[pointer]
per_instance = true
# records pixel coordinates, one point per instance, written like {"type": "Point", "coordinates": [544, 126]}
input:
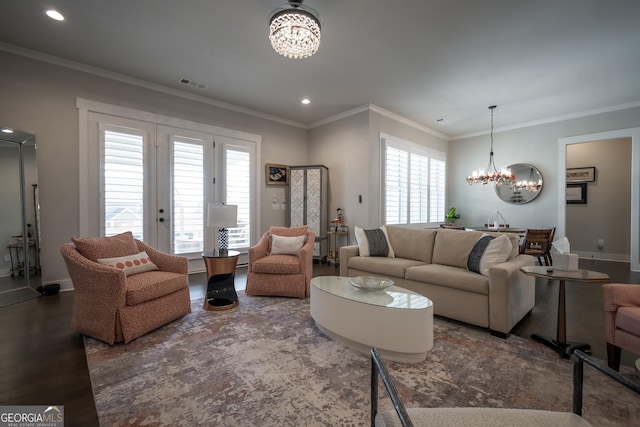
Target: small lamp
{"type": "Point", "coordinates": [222, 217]}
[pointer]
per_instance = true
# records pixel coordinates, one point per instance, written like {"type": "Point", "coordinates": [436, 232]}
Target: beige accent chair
{"type": "Point", "coordinates": [109, 305]}
{"type": "Point", "coordinates": [622, 320]}
{"type": "Point", "coordinates": [281, 274]}
{"type": "Point", "coordinates": [483, 417]}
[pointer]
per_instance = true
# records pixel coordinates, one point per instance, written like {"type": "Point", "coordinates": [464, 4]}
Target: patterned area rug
{"type": "Point", "coordinates": [266, 364]}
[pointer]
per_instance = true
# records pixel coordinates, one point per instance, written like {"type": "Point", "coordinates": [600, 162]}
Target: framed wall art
{"type": "Point", "coordinates": [276, 174]}
{"type": "Point", "coordinates": [581, 174]}
{"type": "Point", "coordinates": [577, 194]}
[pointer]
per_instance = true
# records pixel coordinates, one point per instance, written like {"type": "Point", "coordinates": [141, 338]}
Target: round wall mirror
{"type": "Point", "coordinates": [527, 187]}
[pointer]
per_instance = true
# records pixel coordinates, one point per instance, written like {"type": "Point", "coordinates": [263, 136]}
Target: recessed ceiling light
{"type": "Point", "coordinates": [54, 14]}
{"type": "Point", "coordinates": [306, 101]}
{"type": "Point", "coordinates": [7, 130]}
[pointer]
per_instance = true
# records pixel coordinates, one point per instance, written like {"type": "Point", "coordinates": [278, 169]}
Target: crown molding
{"type": "Point", "coordinates": [551, 120]}
{"type": "Point", "coordinates": [383, 112]}
{"type": "Point", "coordinates": [77, 66]}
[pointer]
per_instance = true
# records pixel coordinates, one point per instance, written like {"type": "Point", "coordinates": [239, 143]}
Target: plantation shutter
{"type": "Point", "coordinates": [188, 196]}
{"type": "Point", "coordinates": [123, 183]}
{"type": "Point", "coordinates": [238, 192]}
{"type": "Point", "coordinates": [414, 183]}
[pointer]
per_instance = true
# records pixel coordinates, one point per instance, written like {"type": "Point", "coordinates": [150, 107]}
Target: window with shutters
{"type": "Point", "coordinates": [413, 183]}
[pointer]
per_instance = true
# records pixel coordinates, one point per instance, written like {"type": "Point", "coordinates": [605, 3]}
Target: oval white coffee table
{"type": "Point", "coordinates": [397, 321]}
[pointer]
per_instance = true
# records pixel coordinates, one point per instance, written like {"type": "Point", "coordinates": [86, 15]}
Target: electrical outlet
{"type": "Point", "coordinates": [600, 243]}
{"type": "Point", "coordinates": [7, 258]}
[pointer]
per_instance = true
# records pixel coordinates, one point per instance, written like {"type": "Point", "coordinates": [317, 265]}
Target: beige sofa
{"type": "Point", "coordinates": [433, 262]}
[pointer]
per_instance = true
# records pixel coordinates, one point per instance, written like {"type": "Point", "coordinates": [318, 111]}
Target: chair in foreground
{"type": "Point", "coordinates": [622, 320]}
{"type": "Point", "coordinates": [481, 417]}
{"type": "Point", "coordinates": [124, 288]}
{"type": "Point", "coordinates": [281, 263]}
{"type": "Point", "coordinates": [537, 243]}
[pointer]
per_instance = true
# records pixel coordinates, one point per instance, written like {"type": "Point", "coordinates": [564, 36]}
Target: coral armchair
{"type": "Point", "coordinates": [114, 304]}
{"type": "Point", "coordinates": [622, 320]}
{"type": "Point", "coordinates": [281, 274]}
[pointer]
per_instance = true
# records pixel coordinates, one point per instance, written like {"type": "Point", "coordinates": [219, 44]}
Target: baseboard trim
{"type": "Point", "coordinates": [603, 256]}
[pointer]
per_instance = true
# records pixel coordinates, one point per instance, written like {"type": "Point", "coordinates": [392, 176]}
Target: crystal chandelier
{"type": "Point", "coordinates": [491, 174]}
{"type": "Point", "coordinates": [295, 31]}
{"type": "Point", "coordinates": [530, 184]}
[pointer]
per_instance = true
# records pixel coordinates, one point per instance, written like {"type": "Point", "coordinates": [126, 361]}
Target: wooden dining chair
{"type": "Point", "coordinates": [537, 243]}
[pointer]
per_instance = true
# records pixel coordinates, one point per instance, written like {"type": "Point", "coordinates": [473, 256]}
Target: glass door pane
{"type": "Point", "coordinates": [123, 185]}
{"type": "Point", "coordinates": [188, 196]}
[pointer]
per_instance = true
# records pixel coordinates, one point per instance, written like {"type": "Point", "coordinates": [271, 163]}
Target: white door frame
{"type": "Point", "coordinates": [85, 187]}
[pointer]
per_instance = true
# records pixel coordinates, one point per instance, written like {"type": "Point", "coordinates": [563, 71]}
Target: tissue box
{"type": "Point", "coordinates": [565, 262]}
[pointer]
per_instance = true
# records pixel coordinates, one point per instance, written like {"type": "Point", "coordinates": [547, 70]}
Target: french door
{"type": "Point", "coordinates": [155, 176]}
{"type": "Point", "coordinates": [154, 184]}
{"type": "Point", "coordinates": [185, 165]}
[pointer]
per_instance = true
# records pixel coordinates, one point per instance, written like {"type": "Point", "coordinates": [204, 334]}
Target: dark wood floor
{"type": "Point", "coordinates": [42, 362]}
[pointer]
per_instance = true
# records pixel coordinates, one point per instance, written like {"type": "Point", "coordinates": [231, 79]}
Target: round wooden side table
{"type": "Point", "coordinates": [221, 273]}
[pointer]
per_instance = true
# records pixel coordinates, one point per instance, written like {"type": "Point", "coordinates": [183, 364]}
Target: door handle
{"type": "Point", "coordinates": [161, 219]}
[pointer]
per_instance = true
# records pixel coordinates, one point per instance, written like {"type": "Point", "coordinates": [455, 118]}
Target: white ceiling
{"type": "Point", "coordinates": [424, 60]}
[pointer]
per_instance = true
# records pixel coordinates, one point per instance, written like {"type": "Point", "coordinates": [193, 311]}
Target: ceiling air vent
{"type": "Point", "coordinates": [193, 84]}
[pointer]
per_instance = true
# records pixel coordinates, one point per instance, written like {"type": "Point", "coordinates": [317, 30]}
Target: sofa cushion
{"type": "Point", "coordinates": [387, 267]}
{"type": "Point", "coordinates": [412, 243]}
{"type": "Point", "coordinates": [452, 247]}
{"type": "Point", "coordinates": [374, 242]}
{"type": "Point", "coordinates": [130, 264]}
{"type": "Point", "coordinates": [488, 252]}
{"type": "Point", "coordinates": [451, 277]}
{"type": "Point", "coordinates": [277, 264]}
{"type": "Point", "coordinates": [153, 284]}
{"type": "Point", "coordinates": [106, 247]}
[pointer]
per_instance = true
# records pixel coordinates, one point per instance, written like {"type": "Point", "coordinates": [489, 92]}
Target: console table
{"type": "Point", "coordinates": [560, 343]}
{"type": "Point", "coordinates": [221, 272]}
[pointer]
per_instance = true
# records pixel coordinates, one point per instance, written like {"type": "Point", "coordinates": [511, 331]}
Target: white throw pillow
{"type": "Point", "coordinates": [497, 252]}
{"type": "Point", "coordinates": [282, 245]}
{"type": "Point", "coordinates": [377, 246]}
{"type": "Point", "coordinates": [131, 264]}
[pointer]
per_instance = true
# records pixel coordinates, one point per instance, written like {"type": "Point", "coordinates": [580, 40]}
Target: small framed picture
{"type": "Point", "coordinates": [581, 174]}
{"type": "Point", "coordinates": [276, 174]}
{"type": "Point", "coordinates": [577, 194]}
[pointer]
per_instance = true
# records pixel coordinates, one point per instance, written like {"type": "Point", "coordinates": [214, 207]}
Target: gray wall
{"type": "Point", "coordinates": [607, 213]}
{"type": "Point", "coordinates": [537, 145]}
{"type": "Point", "coordinates": [350, 148]}
{"type": "Point", "coordinates": [40, 98]}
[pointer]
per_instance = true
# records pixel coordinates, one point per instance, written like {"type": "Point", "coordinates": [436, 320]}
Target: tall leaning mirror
{"type": "Point", "coordinates": [20, 272]}
{"type": "Point", "coordinates": [528, 185]}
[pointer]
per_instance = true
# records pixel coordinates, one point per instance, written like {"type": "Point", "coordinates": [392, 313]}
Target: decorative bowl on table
{"type": "Point", "coordinates": [370, 283]}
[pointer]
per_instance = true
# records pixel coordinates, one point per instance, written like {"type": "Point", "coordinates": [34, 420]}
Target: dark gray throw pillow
{"type": "Point", "coordinates": [377, 242]}
{"type": "Point", "coordinates": [473, 262]}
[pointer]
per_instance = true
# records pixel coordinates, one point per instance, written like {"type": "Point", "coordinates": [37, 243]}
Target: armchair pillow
{"type": "Point", "coordinates": [374, 242]}
{"type": "Point", "coordinates": [286, 232]}
{"type": "Point", "coordinates": [131, 264]}
{"type": "Point", "coordinates": [106, 247]}
{"type": "Point", "coordinates": [283, 245]}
